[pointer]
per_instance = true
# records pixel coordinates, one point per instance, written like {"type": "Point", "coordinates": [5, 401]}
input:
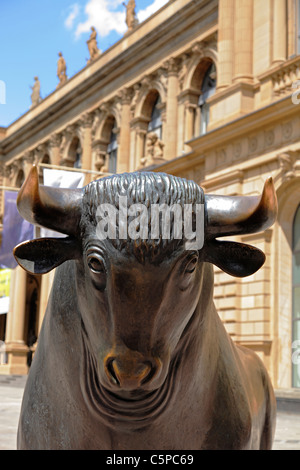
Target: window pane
{"type": "Point", "coordinates": [112, 161]}
{"type": "Point", "coordinates": [296, 303]}
{"type": "Point", "coordinates": [296, 268]}
{"type": "Point", "coordinates": [296, 235]}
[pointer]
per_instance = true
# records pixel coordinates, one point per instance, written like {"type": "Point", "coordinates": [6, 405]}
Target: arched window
{"type": "Point", "coordinates": [208, 88]}
{"type": "Point", "coordinates": [296, 302]}
{"type": "Point", "coordinates": [74, 154]}
{"type": "Point", "coordinates": [112, 150]}
{"type": "Point", "coordinates": [109, 140]}
{"type": "Point", "coordinates": [155, 124]}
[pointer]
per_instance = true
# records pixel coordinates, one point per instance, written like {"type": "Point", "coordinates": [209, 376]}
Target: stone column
{"type": "Point", "coordinates": [170, 134]}
{"type": "Point", "coordinates": [189, 120]}
{"type": "Point", "coordinates": [292, 28]}
{"type": "Point", "coordinates": [124, 147]}
{"type": "Point", "coordinates": [28, 160]}
{"type": "Point", "coordinates": [86, 123]}
{"type": "Point", "coordinates": [225, 43]}
{"type": "Point", "coordinates": [140, 146]}
{"type": "Point", "coordinates": [279, 32]}
{"type": "Point", "coordinates": [243, 40]}
{"type": "Point", "coordinates": [54, 143]}
{"type": "Point", "coordinates": [15, 346]}
{"type": "Point", "coordinates": [10, 318]}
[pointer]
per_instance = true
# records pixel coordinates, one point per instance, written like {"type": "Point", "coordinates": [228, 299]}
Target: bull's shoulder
{"type": "Point", "coordinates": [255, 374]}
{"type": "Point", "coordinates": [230, 421]}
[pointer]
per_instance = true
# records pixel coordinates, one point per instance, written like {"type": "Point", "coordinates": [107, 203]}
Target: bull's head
{"type": "Point", "coordinates": [137, 297]}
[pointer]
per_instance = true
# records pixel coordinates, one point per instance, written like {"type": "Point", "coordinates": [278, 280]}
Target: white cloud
{"type": "Point", "coordinates": [152, 8]}
{"type": "Point", "coordinates": [107, 16]}
{"type": "Point", "coordinates": [72, 16]}
{"type": "Point", "coordinates": [103, 16]}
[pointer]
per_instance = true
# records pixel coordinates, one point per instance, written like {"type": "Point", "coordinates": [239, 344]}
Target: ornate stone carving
{"type": "Point", "coordinates": [154, 150]}
{"type": "Point", "coordinates": [28, 157]}
{"type": "Point", "coordinates": [185, 61]}
{"type": "Point", "coordinates": [287, 130]}
{"type": "Point", "coordinates": [172, 66]}
{"type": "Point", "coordinates": [99, 150]}
{"type": "Point", "coordinates": [287, 163]}
{"type": "Point", "coordinates": [55, 140]}
{"type": "Point", "coordinates": [86, 120]}
{"type": "Point", "coordinates": [136, 92]}
{"type": "Point", "coordinates": [252, 143]}
{"type": "Point", "coordinates": [269, 137]}
{"type": "Point", "coordinates": [198, 49]}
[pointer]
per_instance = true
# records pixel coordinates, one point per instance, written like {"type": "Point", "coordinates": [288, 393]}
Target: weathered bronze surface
{"type": "Point", "coordinates": [132, 353]}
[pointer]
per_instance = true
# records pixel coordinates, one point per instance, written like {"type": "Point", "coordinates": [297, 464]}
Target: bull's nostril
{"type": "Point", "coordinates": [111, 371]}
{"type": "Point", "coordinates": [150, 373]}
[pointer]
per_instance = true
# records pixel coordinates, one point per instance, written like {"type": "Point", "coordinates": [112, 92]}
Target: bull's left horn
{"type": "Point", "coordinates": [57, 209]}
{"type": "Point", "coordinates": [235, 215]}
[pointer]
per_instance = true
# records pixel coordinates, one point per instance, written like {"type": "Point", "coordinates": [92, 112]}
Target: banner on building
{"type": "Point", "coordinates": [61, 179]}
{"type": "Point", "coordinates": [15, 230]}
{"type": "Point", "coordinates": [5, 275]}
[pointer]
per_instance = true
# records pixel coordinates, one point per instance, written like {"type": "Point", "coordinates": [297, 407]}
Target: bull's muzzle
{"type": "Point", "coordinates": [130, 370]}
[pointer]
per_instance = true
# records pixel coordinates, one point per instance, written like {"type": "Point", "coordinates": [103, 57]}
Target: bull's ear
{"type": "Point", "coordinates": [236, 259]}
{"type": "Point", "coordinates": [44, 254]}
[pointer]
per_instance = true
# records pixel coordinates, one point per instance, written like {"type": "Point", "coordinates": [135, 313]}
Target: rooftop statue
{"type": "Point", "coordinates": [61, 70]}
{"type": "Point", "coordinates": [132, 353]}
{"type": "Point", "coordinates": [131, 19]}
{"type": "Point", "coordinates": [92, 45]}
{"type": "Point", "coordinates": [35, 95]}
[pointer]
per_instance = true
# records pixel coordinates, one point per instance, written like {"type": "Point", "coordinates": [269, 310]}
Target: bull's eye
{"type": "Point", "coordinates": [191, 264]}
{"type": "Point", "coordinates": [95, 265]}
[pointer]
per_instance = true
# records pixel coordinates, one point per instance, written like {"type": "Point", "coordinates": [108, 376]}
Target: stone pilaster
{"type": "Point", "coordinates": [225, 43]}
{"type": "Point", "coordinates": [279, 32]}
{"type": "Point", "coordinates": [86, 123]}
{"type": "Point", "coordinates": [15, 346]}
{"type": "Point", "coordinates": [124, 147]}
{"type": "Point", "coordinates": [54, 145]}
{"type": "Point", "coordinates": [170, 134]}
{"type": "Point", "coordinates": [243, 38]}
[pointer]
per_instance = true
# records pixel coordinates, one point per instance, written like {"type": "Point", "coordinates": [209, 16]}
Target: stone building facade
{"type": "Point", "coordinates": [205, 90]}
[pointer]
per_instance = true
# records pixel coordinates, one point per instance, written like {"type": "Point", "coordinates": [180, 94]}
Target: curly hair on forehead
{"type": "Point", "coordinates": [145, 188]}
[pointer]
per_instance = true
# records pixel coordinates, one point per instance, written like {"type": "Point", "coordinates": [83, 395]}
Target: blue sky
{"type": "Point", "coordinates": [32, 32]}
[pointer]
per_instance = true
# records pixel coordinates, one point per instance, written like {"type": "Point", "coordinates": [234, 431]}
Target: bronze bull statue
{"type": "Point", "coordinates": [132, 353]}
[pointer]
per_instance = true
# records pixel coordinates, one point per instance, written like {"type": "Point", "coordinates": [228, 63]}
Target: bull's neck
{"type": "Point", "coordinates": [198, 348]}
